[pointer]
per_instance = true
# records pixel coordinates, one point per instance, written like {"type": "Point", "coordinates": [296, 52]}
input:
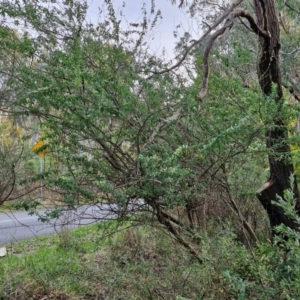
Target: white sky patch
{"type": "Point", "coordinates": [162, 36]}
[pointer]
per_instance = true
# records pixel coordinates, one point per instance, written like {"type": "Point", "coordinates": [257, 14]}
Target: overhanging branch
{"type": "Point", "coordinates": [226, 27]}
{"type": "Point", "coordinates": [197, 42]}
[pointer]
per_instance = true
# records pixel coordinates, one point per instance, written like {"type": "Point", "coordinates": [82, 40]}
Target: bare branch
{"type": "Point", "coordinates": [196, 42]}
{"type": "Point", "coordinates": [227, 26]}
{"type": "Point", "coordinates": [181, 3]}
{"type": "Point", "coordinates": [281, 22]}
{"type": "Point", "coordinates": [13, 174]}
{"type": "Point", "coordinates": [244, 24]}
{"type": "Point", "coordinates": [292, 8]}
{"type": "Point", "coordinates": [259, 31]}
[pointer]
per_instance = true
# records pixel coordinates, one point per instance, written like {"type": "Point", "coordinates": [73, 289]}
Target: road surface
{"type": "Point", "coordinates": [16, 226]}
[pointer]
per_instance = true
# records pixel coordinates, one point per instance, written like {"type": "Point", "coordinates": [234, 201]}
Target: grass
{"type": "Point", "coordinates": [90, 263]}
{"type": "Point", "coordinates": [6, 207]}
{"type": "Point", "coordinates": [48, 265]}
{"type": "Point", "coordinates": [134, 263]}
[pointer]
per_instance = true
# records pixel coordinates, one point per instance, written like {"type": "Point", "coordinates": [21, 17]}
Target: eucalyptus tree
{"type": "Point", "coordinates": [263, 20]}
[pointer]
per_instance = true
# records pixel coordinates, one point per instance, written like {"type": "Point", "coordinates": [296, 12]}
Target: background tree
{"type": "Point", "coordinates": [12, 151]}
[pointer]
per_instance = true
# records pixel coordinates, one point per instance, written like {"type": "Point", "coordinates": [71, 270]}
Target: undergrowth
{"type": "Point", "coordinates": [145, 263]}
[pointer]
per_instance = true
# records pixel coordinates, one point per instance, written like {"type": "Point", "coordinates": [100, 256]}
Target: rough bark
{"type": "Point", "coordinates": [269, 76]}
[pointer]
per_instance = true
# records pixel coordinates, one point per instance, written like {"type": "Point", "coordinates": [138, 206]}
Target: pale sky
{"type": "Point", "coordinates": [163, 33]}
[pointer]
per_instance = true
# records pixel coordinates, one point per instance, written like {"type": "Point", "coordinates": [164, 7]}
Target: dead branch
{"type": "Point", "coordinates": [226, 27]}
{"type": "Point", "coordinates": [197, 42]}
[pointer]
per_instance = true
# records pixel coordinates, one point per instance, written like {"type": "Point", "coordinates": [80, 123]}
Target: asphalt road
{"type": "Point", "coordinates": [16, 226]}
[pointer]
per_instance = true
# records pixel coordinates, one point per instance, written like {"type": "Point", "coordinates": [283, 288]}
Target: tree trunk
{"type": "Point", "coordinates": [280, 161]}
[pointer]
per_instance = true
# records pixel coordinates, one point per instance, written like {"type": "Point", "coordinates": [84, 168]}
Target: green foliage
{"type": "Point", "coordinates": [275, 270]}
{"type": "Point", "coordinates": [27, 205]}
{"type": "Point", "coordinates": [117, 130]}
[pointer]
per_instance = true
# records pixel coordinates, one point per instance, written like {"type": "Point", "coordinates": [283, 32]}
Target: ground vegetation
{"type": "Point", "coordinates": [188, 141]}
